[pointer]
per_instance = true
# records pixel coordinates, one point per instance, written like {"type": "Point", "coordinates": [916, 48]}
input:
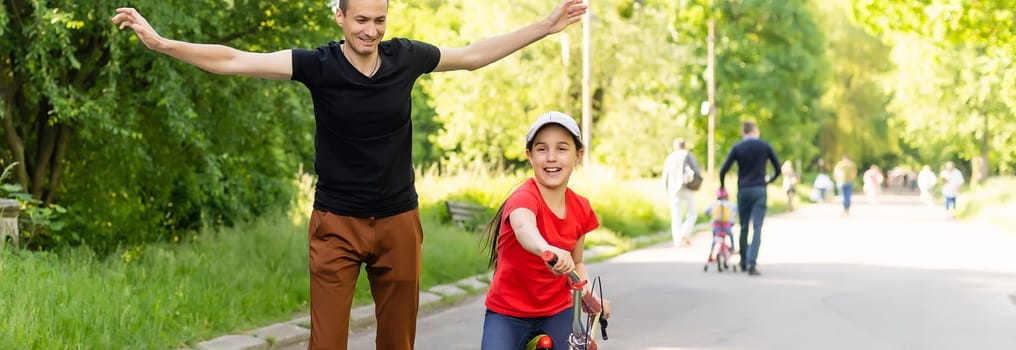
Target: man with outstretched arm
{"type": "Point", "coordinates": [365, 201]}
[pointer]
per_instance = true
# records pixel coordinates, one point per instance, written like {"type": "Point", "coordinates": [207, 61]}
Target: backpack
{"type": "Point", "coordinates": [692, 178]}
{"type": "Point", "coordinates": [721, 213]}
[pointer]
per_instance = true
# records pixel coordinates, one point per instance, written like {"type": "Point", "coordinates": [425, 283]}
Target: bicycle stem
{"type": "Point", "coordinates": [578, 337]}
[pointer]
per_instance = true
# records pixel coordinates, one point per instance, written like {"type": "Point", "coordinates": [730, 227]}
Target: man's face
{"type": "Point", "coordinates": [363, 24]}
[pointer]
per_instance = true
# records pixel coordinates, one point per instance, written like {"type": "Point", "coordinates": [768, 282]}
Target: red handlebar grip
{"type": "Point", "coordinates": [549, 257]}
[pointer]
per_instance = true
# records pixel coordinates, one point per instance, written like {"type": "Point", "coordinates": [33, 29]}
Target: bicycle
{"type": "Point", "coordinates": [582, 335]}
{"type": "Point", "coordinates": [720, 252]}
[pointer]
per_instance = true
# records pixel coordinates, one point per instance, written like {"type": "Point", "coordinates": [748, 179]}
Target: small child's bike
{"type": "Point", "coordinates": [720, 252]}
{"type": "Point", "coordinates": [583, 334]}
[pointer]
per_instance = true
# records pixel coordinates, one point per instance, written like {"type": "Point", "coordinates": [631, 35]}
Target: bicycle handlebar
{"type": "Point", "coordinates": [591, 305]}
{"type": "Point", "coordinates": [551, 259]}
{"type": "Point", "coordinates": [577, 284]}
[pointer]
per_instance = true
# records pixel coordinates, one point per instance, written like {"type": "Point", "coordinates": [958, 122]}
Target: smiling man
{"type": "Point", "coordinates": [365, 202]}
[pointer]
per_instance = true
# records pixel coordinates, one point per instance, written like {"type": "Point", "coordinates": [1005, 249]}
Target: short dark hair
{"type": "Point", "coordinates": [748, 127]}
{"type": "Point", "coordinates": [344, 4]}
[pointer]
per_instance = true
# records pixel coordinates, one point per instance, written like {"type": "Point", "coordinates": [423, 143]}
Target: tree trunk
{"type": "Point", "coordinates": [62, 137]}
{"type": "Point", "coordinates": [44, 152]}
{"type": "Point", "coordinates": [979, 165]}
{"type": "Point", "coordinates": [8, 86]}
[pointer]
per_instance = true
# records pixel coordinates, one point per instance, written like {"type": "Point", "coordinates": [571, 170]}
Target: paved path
{"type": "Point", "coordinates": [894, 276]}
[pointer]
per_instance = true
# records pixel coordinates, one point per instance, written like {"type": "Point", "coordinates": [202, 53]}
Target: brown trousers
{"type": "Point", "coordinates": [390, 248]}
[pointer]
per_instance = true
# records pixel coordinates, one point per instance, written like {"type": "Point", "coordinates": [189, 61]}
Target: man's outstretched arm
{"type": "Point", "coordinates": [487, 51]}
{"type": "Point", "coordinates": [217, 59]}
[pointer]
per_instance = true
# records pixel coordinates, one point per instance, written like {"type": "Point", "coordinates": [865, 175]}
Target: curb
{"type": "Point", "coordinates": [295, 331]}
{"type": "Point", "coordinates": [283, 334]}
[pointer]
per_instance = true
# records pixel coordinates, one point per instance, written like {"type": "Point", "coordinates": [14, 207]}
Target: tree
{"type": "Point", "coordinates": [138, 145]}
{"type": "Point", "coordinates": [972, 46]}
{"type": "Point", "coordinates": [484, 113]}
{"type": "Point", "coordinates": [857, 122]}
{"type": "Point", "coordinates": [771, 69]}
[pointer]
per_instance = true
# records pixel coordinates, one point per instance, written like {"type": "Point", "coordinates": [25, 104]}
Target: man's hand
{"type": "Point", "coordinates": [129, 17]}
{"type": "Point", "coordinates": [566, 13]}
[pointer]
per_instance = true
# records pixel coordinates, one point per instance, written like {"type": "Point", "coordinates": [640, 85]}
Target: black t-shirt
{"type": "Point", "coordinates": [363, 137]}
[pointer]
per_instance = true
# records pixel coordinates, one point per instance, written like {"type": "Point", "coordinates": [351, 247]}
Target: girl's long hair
{"type": "Point", "coordinates": [491, 234]}
{"type": "Point", "coordinates": [493, 230]}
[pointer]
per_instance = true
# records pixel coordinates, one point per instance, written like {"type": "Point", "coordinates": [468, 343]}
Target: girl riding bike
{"type": "Point", "coordinates": [528, 297]}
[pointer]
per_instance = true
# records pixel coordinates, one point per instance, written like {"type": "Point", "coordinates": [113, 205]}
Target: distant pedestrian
{"type": "Point", "coordinates": [823, 184]}
{"type": "Point", "coordinates": [845, 173]}
{"type": "Point", "coordinates": [873, 180]}
{"type": "Point", "coordinates": [751, 154]}
{"type": "Point", "coordinates": [679, 172]}
{"type": "Point", "coordinates": [789, 183]}
{"type": "Point", "coordinates": [926, 181]}
{"type": "Point", "coordinates": [951, 187]}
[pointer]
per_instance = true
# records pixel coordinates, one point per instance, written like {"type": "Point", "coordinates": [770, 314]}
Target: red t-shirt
{"type": "Point", "coordinates": [523, 286]}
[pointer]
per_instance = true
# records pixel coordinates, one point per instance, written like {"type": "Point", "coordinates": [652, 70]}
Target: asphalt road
{"type": "Point", "coordinates": [897, 275]}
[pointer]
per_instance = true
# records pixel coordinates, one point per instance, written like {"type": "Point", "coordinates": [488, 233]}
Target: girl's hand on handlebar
{"type": "Point", "coordinates": [593, 304]}
{"type": "Point", "coordinates": [564, 264]}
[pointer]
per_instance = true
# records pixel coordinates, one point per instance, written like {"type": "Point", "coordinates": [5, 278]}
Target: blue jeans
{"type": "Point", "coordinates": [751, 207]}
{"type": "Point", "coordinates": [845, 190]}
{"type": "Point", "coordinates": [501, 332]}
{"type": "Point", "coordinates": [950, 203]}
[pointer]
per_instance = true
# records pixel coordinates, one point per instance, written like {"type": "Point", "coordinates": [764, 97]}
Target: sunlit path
{"type": "Point", "coordinates": [898, 275]}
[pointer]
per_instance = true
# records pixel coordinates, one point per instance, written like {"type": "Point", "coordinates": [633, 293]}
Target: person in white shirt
{"type": "Point", "coordinates": [951, 188]}
{"type": "Point", "coordinates": [681, 198]}
{"type": "Point", "coordinates": [823, 184]}
{"type": "Point", "coordinates": [873, 180]}
{"type": "Point", "coordinates": [926, 180]}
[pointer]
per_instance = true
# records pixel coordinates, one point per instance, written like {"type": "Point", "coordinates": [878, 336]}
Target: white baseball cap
{"type": "Point", "coordinates": [554, 117]}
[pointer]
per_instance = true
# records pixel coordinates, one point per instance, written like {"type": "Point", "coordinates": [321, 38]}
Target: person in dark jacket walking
{"type": "Point", "coordinates": [750, 155]}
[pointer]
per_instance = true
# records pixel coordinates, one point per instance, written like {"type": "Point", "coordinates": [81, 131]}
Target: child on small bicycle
{"type": "Point", "coordinates": [722, 214]}
{"type": "Point", "coordinates": [527, 297]}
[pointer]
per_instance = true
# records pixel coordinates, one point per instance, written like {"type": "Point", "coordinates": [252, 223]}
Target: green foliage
{"type": "Point", "coordinates": [36, 220]}
{"type": "Point", "coordinates": [773, 71]}
{"type": "Point", "coordinates": [857, 120]}
{"type": "Point", "coordinates": [771, 68]}
{"type": "Point", "coordinates": [992, 201]}
{"type": "Point", "coordinates": [140, 146]}
{"type": "Point", "coordinates": [485, 118]}
{"type": "Point", "coordinates": [638, 103]}
{"type": "Point", "coordinates": [953, 89]}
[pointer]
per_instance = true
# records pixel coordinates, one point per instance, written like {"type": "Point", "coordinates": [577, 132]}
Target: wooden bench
{"type": "Point", "coordinates": [466, 215]}
{"type": "Point", "coordinates": [9, 210]}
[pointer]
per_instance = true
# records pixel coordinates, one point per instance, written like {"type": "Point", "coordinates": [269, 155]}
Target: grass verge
{"type": "Point", "coordinates": [993, 201]}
